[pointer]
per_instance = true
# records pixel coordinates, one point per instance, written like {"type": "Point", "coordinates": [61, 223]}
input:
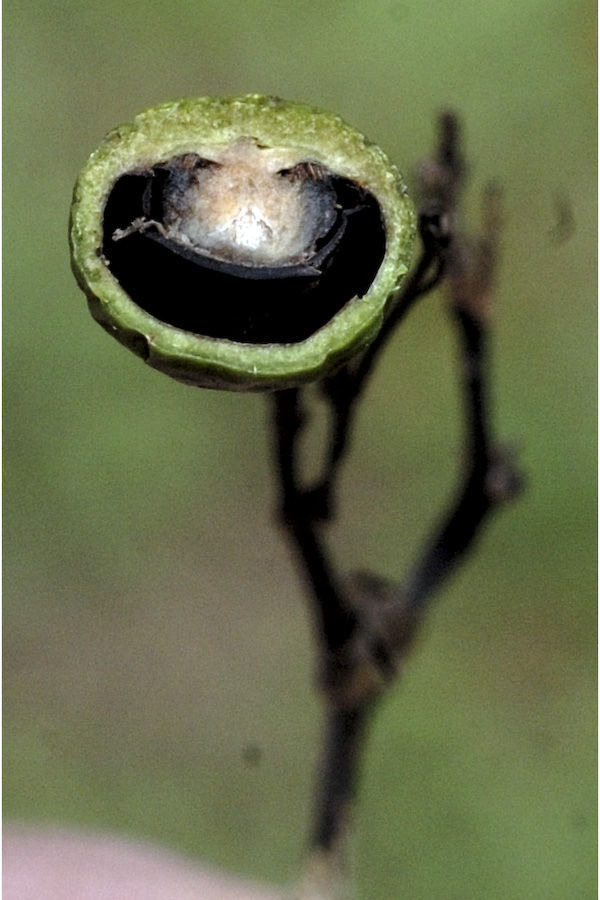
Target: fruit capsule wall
{"type": "Point", "coordinates": [244, 243]}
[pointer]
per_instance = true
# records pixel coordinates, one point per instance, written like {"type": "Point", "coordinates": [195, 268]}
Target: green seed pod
{"type": "Point", "coordinates": [243, 243]}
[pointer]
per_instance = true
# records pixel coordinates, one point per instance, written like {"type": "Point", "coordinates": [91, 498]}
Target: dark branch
{"type": "Point", "coordinates": [336, 785]}
{"type": "Point", "coordinates": [365, 623]}
{"type": "Point", "coordinates": [490, 476]}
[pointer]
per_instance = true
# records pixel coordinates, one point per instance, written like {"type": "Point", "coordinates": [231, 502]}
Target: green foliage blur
{"type": "Point", "coordinates": [158, 661]}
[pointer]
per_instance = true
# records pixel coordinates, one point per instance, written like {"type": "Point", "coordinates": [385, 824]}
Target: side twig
{"type": "Point", "coordinates": [334, 620]}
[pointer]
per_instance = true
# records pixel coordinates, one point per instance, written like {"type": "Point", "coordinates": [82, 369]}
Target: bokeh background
{"type": "Point", "coordinates": [157, 652]}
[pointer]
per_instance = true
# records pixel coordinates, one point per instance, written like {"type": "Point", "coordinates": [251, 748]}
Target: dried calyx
{"type": "Point", "coordinates": [282, 242]}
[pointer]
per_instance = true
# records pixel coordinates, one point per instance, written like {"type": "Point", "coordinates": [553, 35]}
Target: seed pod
{"type": "Point", "coordinates": [243, 243]}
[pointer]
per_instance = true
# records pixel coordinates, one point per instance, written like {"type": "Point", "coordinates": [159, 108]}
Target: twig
{"type": "Point", "coordinates": [490, 475]}
{"type": "Point", "coordinates": [366, 624]}
{"type": "Point", "coordinates": [335, 621]}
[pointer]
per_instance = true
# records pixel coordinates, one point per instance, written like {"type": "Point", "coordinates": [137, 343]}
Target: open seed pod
{"type": "Point", "coordinates": [243, 243]}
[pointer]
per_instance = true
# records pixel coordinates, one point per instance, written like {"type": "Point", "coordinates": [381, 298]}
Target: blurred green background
{"type": "Point", "coordinates": [157, 651]}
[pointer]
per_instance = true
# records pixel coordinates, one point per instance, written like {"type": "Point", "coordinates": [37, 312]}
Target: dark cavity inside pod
{"type": "Point", "coordinates": [239, 247]}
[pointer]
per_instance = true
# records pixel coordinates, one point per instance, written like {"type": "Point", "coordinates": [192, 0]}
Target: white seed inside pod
{"type": "Point", "coordinates": [241, 209]}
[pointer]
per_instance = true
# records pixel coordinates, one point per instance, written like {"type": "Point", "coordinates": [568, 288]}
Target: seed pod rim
{"type": "Point", "coordinates": [184, 126]}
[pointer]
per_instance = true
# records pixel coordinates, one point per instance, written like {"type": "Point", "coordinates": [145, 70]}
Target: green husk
{"type": "Point", "coordinates": [190, 125]}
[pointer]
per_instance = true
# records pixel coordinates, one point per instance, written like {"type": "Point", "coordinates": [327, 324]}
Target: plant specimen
{"type": "Point", "coordinates": [250, 243]}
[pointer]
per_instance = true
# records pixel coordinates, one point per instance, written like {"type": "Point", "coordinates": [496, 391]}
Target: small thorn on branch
{"type": "Point", "coordinates": [504, 481]}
